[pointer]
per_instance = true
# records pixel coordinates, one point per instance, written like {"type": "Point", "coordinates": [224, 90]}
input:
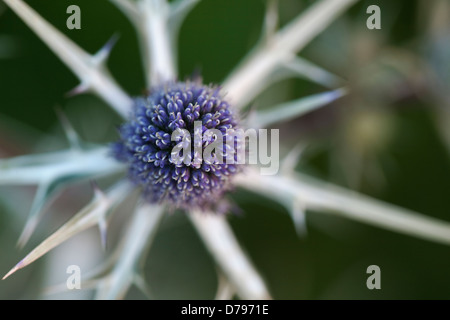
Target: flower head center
{"type": "Point", "coordinates": [174, 145]}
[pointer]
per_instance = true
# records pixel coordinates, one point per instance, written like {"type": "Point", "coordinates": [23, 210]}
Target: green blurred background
{"type": "Point", "coordinates": [389, 139]}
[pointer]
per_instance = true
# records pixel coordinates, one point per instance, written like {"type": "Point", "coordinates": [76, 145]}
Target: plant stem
{"type": "Point", "coordinates": [156, 41]}
{"type": "Point", "coordinates": [220, 241]}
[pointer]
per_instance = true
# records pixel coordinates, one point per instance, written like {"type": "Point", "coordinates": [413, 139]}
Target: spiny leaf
{"type": "Point", "coordinates": [40, 168]}
{"type": "Point", "coordinates": [31, 169]}
{"type": "Point", "coordinates": [44, 196]}
{"type": "Point", "coordinates": [325, 197]}
{"type": "Point", "coordinates": [244, 84]}
{"type": "Point", "coordinates": [81, 88]}
{"type": "Point", "coordinates": [298, 215]}
{"type": "Point", "coordinates": [79, 61]}
{"type": "Point", "coordinates": [293, 109]}
{"type": "Point", "coordinates": [89, 216]}
{"type": "Point", "coordinates": [139, 237]}
{"type": "Point", "coordinates": [99, 59]}
{"type": "Point", "coordinates": [291, 160]}
{"type": "Point", "coordinates": [306, 69]}
{"type": "Point", "coordinates": [71, 134]}
{"type": "Point", "coordinates": [52, 172]}
{"type": "Point", "coordinates": [140, 282]}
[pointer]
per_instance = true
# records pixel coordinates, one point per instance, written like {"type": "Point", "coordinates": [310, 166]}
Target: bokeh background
{"type": "Point", "coordinates": [389, 138]}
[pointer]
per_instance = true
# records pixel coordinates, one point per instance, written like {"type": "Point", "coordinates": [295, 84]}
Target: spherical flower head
{"type": "Point", "coordinates": [176, 119]}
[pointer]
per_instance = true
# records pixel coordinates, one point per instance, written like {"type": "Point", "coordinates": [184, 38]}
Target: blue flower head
{"type": "Point", "coordinates": [146, 144]}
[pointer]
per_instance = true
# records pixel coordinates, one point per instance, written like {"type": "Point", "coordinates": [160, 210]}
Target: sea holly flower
{"type": "Point", "coordinates": [150, 145]}
{"type": "Point", "coordinates": [146, 144]}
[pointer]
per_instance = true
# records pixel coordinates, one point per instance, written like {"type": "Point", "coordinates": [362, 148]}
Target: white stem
{"type": "Point", "coordinates": [156, 41]}
{"type": "Point", "coordinates": [92, 76]}
{"type": "Point", "coordinates": [222, 244]}
{"type": "Point", "coordinates": [245, 83]}
{"type": "Point", "coordinates": [136, 241]}
{"type": "Point", "coordinates": [317, 195]}
{"type": "Point", "coordinates": [157, 23]}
